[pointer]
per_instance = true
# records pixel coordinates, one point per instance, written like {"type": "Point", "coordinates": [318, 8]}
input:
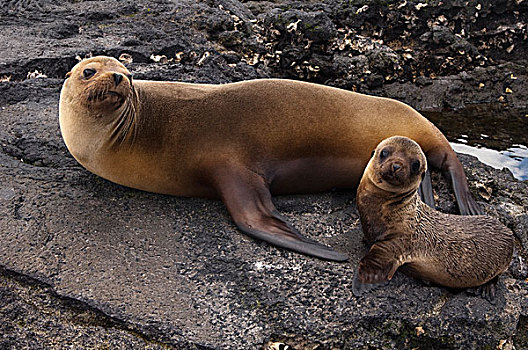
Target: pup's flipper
{"type": "Point", "coordinates": [374, 270]}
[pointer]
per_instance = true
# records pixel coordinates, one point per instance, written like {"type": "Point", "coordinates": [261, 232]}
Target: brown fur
{"type": "Point", "coordinates": [235, 141]}
{"type": "Point", "coordinates": [449, 250]}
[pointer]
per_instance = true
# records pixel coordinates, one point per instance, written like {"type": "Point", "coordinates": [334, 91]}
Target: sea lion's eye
{"type": "Point", "coordinates": [415, 166]}
{"type": "Point", "coordinates": [88, 73]}
{"type": "Point", "coordinates": [384, 153]}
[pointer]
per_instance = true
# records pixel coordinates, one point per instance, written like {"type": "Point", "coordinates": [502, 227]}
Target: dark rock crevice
{"type": "Point", "coordinates": [45, 305]}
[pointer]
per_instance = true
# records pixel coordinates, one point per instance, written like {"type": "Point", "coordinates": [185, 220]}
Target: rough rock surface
{"type": "Point", "coordinates": [87, 263]}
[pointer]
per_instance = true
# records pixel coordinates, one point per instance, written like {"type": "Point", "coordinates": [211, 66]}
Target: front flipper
{"type": "Point", "coordinates": [426, 190]}
{"type": "Point", "coordinates": [359, 288]}
{"type": "Point", "coordinates": [248, 200]}
{"type": "Point", "coordinates": [376, 268]}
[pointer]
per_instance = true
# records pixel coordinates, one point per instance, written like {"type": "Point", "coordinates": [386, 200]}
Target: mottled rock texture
{"type": "Point", "coordinates": [87, 263]}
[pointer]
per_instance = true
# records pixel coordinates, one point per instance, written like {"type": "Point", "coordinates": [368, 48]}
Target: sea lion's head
{"type": "Point", "coordinates": [99, 83]}
{"type": "Point", "coordinates": [397, 165]}
{"type": "Point", "coordinates": [96, 108]}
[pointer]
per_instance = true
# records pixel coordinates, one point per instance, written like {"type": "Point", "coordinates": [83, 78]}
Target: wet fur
{"type": "Point", "coordinates": [448, 250]}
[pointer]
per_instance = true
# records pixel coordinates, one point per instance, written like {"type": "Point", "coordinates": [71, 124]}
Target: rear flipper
{"type": "Point", "coordinates": [426, 190]}
{"type": "Point", "coordinates": [466, 203]}
{"type": "Point", "coordinates": [488, 290]}
{"type": "Point", "coordinates": [248, 200]}
{"type": "Point", "coordinates": [452, 170]}
{"type": "Point", "coordinates": [374, 270]}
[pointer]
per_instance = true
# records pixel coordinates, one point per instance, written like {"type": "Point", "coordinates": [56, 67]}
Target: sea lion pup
{"type": "Point", "coordinates": [239, 142]}
{"type": "Point", "coordinates": [449, 250]}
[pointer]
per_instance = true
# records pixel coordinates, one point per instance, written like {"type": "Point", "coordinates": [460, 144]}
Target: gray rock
{"type": "Point", "coordinates": [92, 263]}
{"type": "Point", "coordinates": [178, 271]}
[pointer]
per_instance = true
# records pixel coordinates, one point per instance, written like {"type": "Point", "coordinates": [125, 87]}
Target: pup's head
{"type": "Point", "coordinates": [397, 165]}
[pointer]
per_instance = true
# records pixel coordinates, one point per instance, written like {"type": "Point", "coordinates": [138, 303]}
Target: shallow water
{"type": "Point", "coordinates": [514, 158]}
{"type": "Point", "coordinates": [496, 137]}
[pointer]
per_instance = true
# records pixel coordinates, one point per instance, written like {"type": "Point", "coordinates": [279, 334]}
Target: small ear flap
{"type": "Point", "coordinates": [68, 75]}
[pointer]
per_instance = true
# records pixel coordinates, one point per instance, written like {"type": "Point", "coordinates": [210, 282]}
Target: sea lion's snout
{"type": "Point", "coordinates": [394, 171]}
{"type": "Point", "coordinates": [396, 167]}
{"type": "Point", "coordinates": [106, 88]}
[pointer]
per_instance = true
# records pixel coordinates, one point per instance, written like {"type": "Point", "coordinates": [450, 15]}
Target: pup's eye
{"type": "Point", "coordinates": [88, 73]}
{"type": "Point", "coordinates": [415, 166]}
{"type": "Point", "coordinates": [384, 153]}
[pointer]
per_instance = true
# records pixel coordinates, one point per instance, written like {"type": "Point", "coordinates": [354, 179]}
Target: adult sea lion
{"type": "Point", "coordinates": [449, 250]}
{"type": "Point", "coordinates": [237, 141]}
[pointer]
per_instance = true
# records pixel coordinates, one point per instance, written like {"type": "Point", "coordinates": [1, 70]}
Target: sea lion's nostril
{"type": "Point", "coordinates": [117, 78]}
